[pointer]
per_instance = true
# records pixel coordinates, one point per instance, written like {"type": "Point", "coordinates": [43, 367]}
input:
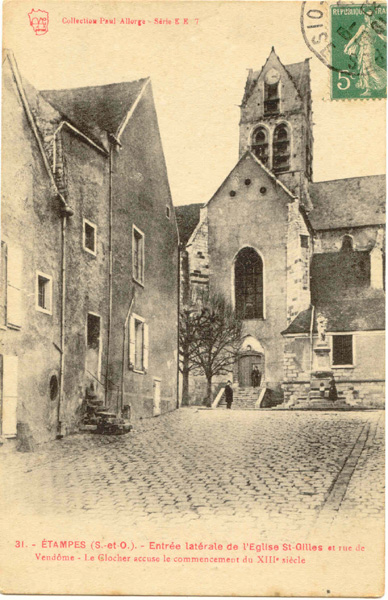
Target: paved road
{"type": "Point", "coordinates": [193, 464]}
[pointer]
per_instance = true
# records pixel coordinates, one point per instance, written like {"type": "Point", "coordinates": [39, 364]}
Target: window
{"type": "Point", "coordinates": [93, 331]}
{"type": "Point", "coordinates": [44, 293]}
{"type": "Point", "coordinates": [271, 98]}
{"type": "Point", "coordinates": [281, 149]}
{"type": "Point", "coordinates": [138, 255]}
{"type": "Point", "coordinates": [90, 237]}
{"type": "Point", "coordinates": [304, 241]}
{"type": "Point", "coordinates": [347, 243]}
{"type": "Point", "coordinates": [54, 387]}
{"type": "Point", "coordinates": [12, 263]}
{"type": "Point", "coordinates": [260, 145]}
{"type": "Point", "coordinates": [138, 344]}
{"type": "Point", "coordinates": [167, 211]}
{"type": "Point", "coordinates": [342, 350]}
{"type": "Point", "coordinates": [248, 285]}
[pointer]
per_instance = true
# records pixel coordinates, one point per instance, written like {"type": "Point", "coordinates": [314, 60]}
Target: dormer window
{"type": "Point", "coordinates": [260, 145]}
{"type": "Point", "coordinates": [347, 243]}
{"type": "Point", "coordinates": [281, 149]}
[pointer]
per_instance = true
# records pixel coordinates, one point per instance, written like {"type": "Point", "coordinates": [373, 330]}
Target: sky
{"type": "Point", "coordinates": [198, 73]}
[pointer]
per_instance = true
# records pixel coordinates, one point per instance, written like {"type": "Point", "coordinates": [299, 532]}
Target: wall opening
{"type": "Point", "coordinates": [248, 283]}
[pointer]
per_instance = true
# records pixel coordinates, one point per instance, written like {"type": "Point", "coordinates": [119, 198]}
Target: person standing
{"type": "Point", "coordinates": [254, 377]}
{"type": "Point", "coordinates": [229, 394]}
{"type": "Point", "coordinates": [258, 377]}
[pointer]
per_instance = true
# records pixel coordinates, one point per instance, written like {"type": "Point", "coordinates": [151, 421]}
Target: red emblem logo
{"type": "Point", "coordinates": [39, 20]}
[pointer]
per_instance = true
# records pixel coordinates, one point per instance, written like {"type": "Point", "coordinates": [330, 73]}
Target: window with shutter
{"type": "Point", "coordinates": [145, 346]}
{"type": "Point", "coordinates": [14, 285]}
{"type": "Point", "coordinates": [138, 344]}
{"type": "Point", "coordinates": [260, 145]}
{"type": "Point", "coordinates": [3, 285]}
{"type": "Point", "coordinates": [281, 149]}
{"type": "Point", "coordinates": [131, 349]}
{"type": "Point", "coordinates": [9, 394]}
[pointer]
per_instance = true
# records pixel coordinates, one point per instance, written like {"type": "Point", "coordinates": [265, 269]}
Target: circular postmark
{"type": "Point", "coordinates": [327, 28]}
{"type": "Point", "coordinates": [315, 26]}
{"type": "Point", "coordinates": [350, 40]}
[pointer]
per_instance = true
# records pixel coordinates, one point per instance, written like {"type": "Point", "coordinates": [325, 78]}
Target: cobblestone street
{"type": "Point", "coordinates": [193, 464]}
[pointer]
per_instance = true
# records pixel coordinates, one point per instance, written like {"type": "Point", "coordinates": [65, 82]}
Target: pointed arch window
{"type": "Point", "coordinates": [248, 285]}
{"type": "Point", "coordinates": [260, 145]}
{"type": "Point", "coordinates": [281, 149]}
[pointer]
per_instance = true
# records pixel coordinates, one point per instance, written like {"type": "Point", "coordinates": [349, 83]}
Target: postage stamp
{"type": "Point", "coordinates": [359, 51]}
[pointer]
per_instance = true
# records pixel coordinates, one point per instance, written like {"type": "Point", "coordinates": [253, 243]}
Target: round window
{"type": "Point", "coordinates": [54, 387]}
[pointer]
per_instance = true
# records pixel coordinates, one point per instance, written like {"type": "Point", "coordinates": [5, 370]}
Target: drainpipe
{"type": "Point", "coordinates": [67, 212]}
{"type": "Point", "coordinates": [178, 323]}
{"type": "Point", "coordinates": [110, 272]}
{"type": "Point", "coordinates": [123, 354]}
{"type": "Point", "coordinates": [311, 337]}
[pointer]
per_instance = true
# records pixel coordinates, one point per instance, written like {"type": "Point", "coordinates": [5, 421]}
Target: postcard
{"type": "Point", "coordinates": [193, 298]}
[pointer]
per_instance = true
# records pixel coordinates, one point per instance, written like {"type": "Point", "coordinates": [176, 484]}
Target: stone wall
{"type": "Point", "coordinates": [87, 275]}
{"type": "Point", "coordinates": [361, 385]}
{"type": "Point", "coordinates": [140, 196]}
{"type": "Point", "coordinates": [31, 234]}
{"type": "Point", "coordinates": [298, 263]}
{"type": "Point", "coordinates": [198, 261]}
{"type": "Point", "coordinates": [250, 209]}
{"type": "Point", "coordinates": [293, 110]}
{"type": "Point", "coordinates": [364, 238]}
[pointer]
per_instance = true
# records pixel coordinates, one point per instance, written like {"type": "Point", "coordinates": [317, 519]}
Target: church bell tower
{"type": "Point", "coordinates": [276, 122]}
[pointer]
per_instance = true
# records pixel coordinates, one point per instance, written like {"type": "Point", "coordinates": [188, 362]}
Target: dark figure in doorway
{"type": "Point", "coordinates": [255, 376]}
{"type": "Point", "coordinates": [333, 394]}
{"type": "Point", "coordinates": [228, 395]}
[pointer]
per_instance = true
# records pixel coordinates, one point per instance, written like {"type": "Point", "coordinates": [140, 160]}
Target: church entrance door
{"type": "Point", "coordinates": [246, 362]}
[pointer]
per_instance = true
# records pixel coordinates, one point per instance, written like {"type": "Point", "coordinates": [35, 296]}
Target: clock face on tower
{"type": "Point", "coordinates": [272, 76]}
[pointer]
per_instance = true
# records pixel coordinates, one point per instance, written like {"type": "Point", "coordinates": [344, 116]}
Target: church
{"type": "Point", "coordinates": [289, 253]}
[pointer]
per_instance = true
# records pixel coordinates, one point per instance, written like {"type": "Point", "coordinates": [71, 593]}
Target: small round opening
{"type": "Point", "coordinates": [263, 190]}
{"type": "Point", "coordinates": [54, 387]}
{"type": "Point", "coordinates": [232, 193]}
{"type": "Point", "coordinates": [247, 182]}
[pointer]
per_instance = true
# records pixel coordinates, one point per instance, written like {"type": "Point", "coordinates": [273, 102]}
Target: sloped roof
{"type": "Point", "coordinates": [95, 108]}
{"type": "Point", "coordinates": [340, 289]}
{"type": "Point", "coordinates": [187, 217]}
{"type": "Point", "coordinates": [348, 202]}
{"type": "Point", "coordinates": [299, 73]}
{"type": "Point", "coordinates": [357, 314]}
{"type": "Point", "coordinates": [339, 274]}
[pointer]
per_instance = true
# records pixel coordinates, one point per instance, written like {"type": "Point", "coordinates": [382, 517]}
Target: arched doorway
{"type": "Point", "coordinates": [251, 355]}
{"type": "Point", "coordinates": [247, 361]}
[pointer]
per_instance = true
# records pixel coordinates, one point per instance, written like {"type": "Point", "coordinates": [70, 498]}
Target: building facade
{"type": "Point", "coordinates": [286, 251]}
{"type": "Point", "coordinates": [89, 257]}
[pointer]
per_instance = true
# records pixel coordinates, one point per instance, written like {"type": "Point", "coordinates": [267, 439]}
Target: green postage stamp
{"type": "Point", "coordinates": [359, 50]}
